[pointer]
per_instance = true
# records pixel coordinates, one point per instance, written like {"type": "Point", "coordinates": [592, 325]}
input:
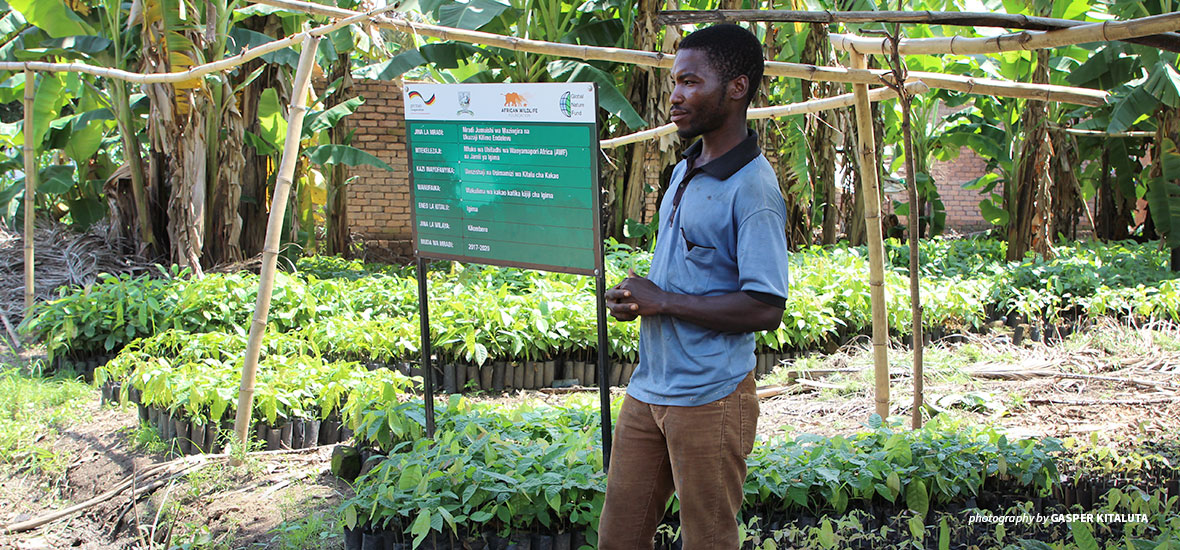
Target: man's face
{"type": "Point", "coordinates": [698, 98]}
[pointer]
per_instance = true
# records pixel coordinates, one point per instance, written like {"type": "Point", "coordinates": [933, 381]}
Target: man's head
{"type": "Point", "coordinates": [717, 72]}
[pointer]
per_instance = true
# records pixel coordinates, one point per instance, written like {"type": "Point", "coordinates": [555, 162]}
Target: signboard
{"type": "Point", "coordinates": [505, 174]}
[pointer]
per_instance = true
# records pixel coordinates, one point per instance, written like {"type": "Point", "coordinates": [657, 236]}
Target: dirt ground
{"type": "Point", "coordinates": [1114, 390]}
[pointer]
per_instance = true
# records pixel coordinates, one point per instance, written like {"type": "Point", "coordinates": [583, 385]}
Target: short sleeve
{"type": "Point", "coordinates": [762, 248]}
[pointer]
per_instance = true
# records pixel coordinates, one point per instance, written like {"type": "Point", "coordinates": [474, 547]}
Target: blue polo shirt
{"type": "Point", "coordinates": [722, 230]}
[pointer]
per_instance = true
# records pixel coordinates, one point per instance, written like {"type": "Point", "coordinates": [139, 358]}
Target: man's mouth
{"type": "Point", "coordinates": [677, 115]}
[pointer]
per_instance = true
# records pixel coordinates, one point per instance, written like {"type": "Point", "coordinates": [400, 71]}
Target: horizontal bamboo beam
{"type": "Point", "coordinates": [1002, 88]}
{"type": "Point", "coordinates": [192, 72]}
{"type": "Point", "coordinates": [586, 53]}
{"type": "Point", "coordinates": [778, 111]}
{"type": "Point", "coordinates": [965, 84]}
{"type": "Point", "coordinates": [1100, 133]}
{"type": "Point", "coordinates": [1164, 41]}
{"type": "Point", "coordinates": [1105, 31]}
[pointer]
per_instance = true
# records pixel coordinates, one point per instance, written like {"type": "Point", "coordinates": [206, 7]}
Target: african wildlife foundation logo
{"type": "Point", "coordinates": [517, 104]}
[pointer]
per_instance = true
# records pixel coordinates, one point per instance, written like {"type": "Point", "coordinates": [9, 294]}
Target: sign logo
{"type": "Point", "coordinates": [418, 95]}
{"type": "Point", "coordinates": [565, 104]}
{"type": "Point", "coordinates": [516, 104]}
{"type": "Point", "coordinates": [465, 104]}
{"type": "Point", "coordinates": [513, 99]}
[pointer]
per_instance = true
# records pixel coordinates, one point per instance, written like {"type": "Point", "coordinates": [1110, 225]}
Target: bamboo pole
{"type": "Point", "coordinates": [985, 86]}
{"type": "Point", "coordinates": [30, 190]}
{"type": "Point", "coordinates": [198, 70]}
{"type": "Point", "coordinates": [274, 228]}
{"type": "Point", "coordinates": [1165, 41]}
{"type": "Point", "coordinates": [1100, 133]}
{"type": "Point", "coordinates": [1105, 31]}
{"type": "Point", "coordinates": [870, 187]}
{"type": "Point", "coordinates": [812, 106]}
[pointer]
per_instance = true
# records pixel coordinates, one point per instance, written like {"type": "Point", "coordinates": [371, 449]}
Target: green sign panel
{"type": "Point", "coordinates": [505, 174]}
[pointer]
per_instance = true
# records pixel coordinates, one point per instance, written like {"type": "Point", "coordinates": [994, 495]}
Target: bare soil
{"type": "Point", "coordinates": [1027, 390]}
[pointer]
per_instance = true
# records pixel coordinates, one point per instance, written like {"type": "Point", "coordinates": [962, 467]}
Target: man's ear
{"type": "Point", "coordinates": [739, 87]}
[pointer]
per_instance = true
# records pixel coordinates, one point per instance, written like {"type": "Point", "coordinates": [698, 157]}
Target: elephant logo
{"type": "Point", "coordinates": [513, 99]}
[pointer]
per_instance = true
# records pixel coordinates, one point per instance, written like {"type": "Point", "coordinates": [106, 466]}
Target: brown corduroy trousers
{"type": "Point", "coordinates": [698, 452]}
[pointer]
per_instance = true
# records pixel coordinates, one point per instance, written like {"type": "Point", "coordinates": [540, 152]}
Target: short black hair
{"type": "Point", "coordinates": [732, 51]}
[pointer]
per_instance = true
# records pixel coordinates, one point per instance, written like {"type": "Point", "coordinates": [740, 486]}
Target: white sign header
{"type": "Point", "coordinates": [535, 102]}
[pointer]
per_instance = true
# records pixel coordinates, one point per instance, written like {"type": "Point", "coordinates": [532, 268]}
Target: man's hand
{"type": "Point", "coordinates": [633, 297]}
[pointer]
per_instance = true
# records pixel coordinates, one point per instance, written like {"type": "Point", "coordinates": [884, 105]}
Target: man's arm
{"type": "Point", "coordinates": [734, 312]}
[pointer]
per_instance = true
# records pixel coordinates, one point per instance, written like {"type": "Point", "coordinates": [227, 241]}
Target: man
{"type": "Point", "coordinates": [718, 274]}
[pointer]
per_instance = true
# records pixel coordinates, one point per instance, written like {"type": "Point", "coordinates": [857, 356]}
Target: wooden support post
{"type": "Point", "coordinates": [871, 188]}
{"type": "Point", "coordinates": [30, 150]}
{"type": "Point", "coordinates": [270, 250]}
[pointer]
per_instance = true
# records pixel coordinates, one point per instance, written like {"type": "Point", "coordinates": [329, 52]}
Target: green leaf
{"type": "Point", "coordinates": [605, 32]}
{"type": "Point", "coordinates": [1164, 84]}
{"type": "Point", "coordinates": [470, 15]}
{"type": "Point", "coordinates": [827, 538]}
{"type": "Point", "coordinates": [55, 180]}
{"type": "Point", "coordinates": [917, 498]}
{"type": "Point", "coordinates": [449, 55]}
{"type": "Point", "coordinates": [421, 527]}
{"type": "Point", "coordinates": [992, 213]}
{"type": "Point", "coordinates": [410, 477]}
{"type": "Point", "coordinates": [47, 104]}
{"type": "Point", "coordinates": [322, 120]}
{"type": "Point", "coordinates": [86, 211]}
{"type": "Point", "coordinates": [893, 481]}
{"type": "Point", "coordinates": [1082, 536]}
{"type": "Point", "coordinates": [984, 183]}
{"type": "Point", "coordinates": [242, 39]}
{"type": "Point", "coordinates": [52, 16]}
{"type": "Point", "coordinates": [391, 68]}
{"type": "Point", "coordinates": [93, 116]}
{"type": "Point", "coordinates": [70, 47]}
{"type": "Point", "coordinates": [10, 193]}
{"type": "Point", "coordinates": [1131, 109]}
{"type": "Point", "coordinates": [271, 121]}
{"type": "Point", "coordinates": [917, 527]}
{"type": "Point", "coordinates": [1163, 193]}
{"type": "Point", "coordinates": [84, 141]}
{"type": "Point", "coordinates": [344, 154]}
{"type": "Point", "coordinates": [13, 88]}
{"type": "Point", "coordinates": [944, 535]}
{"type": "Point", "coordinates": [1105, 69]}
{"type": "Point", "coordinates": [609, 97]}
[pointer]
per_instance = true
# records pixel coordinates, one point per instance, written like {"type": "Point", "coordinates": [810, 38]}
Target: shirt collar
{"type": "Point", "coordinates": [733, 160]}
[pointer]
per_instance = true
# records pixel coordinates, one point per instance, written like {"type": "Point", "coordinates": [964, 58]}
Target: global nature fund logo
{"type": "Point", "coordinates": [517, 104]}
{"type": "Point", "coordinates": [571, 104]}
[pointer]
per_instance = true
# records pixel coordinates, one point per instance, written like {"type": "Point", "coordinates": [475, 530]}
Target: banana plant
{"type": "Point", "coordinates": [596, 23]}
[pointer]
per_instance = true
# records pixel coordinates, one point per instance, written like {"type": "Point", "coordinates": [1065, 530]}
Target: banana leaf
{"type": "Point", "coordinates": [52, 16]}
{"type": "Point", "coordinates": [343, 154]}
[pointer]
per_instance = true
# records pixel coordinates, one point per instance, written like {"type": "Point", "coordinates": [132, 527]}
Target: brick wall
{"type": "Point", "coordinates": [962, 205]}
{"type": "Point", "coordinates": [378, 200]}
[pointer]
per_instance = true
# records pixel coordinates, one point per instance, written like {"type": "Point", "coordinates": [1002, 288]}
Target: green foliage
{"type": "Point", "coordinates": [942, 461]}
{"type": "Point", "coordinates": [32, 409]}
{"type": "Point", "coordinates": [524, 467]}
{"type": "Point", "coordinates": [539, 467]}
{"type": "Point", "coordinates": [354, 312]}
